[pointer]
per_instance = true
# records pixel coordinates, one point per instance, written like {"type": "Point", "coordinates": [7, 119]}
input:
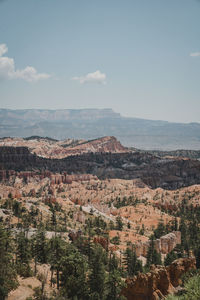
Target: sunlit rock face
{"type": "Point", "coordinates": [159, 282]}
{"type": "Point", "coordinates": [163, 245]}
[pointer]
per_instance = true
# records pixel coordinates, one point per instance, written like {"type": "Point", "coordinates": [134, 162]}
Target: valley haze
{"type": "Point", "coordinates": [94, 123]}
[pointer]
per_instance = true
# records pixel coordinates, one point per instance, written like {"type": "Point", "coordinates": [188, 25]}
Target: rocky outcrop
{"type": "Point", "coordinates": [169, 241]}
{"type": "Point", "coordinates": [65, 178]}
{"type": "Point", "coordinates": [49, 148]}
{"type": "Point", "coordinates": [101, 145]}
{"type": "Point", "coordinates": [103, 241]}
{"type": "Point", "coordinates": [79, 217]}
{"type": "Point", "coordinates": [163, 245]}
{"type": "Point", "coordinates": [159, 282]}
{"type": "Point", "coordinates": [74, 235]}
{"type": "Point", "coordinates": [54, 178]}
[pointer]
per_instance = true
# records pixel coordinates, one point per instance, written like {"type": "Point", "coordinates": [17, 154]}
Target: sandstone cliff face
{"type": "Point", "coordinates": [163, 245]}
{"type": "Point", "coordinates": [159, 282]}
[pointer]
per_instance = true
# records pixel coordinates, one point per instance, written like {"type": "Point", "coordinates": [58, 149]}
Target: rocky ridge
{"type": "Point", "coordinates": [92, 123]}
{"type": "Point", "coordinates": [50, 148]}
{"type": "Point", "coordinates": [159, 282]}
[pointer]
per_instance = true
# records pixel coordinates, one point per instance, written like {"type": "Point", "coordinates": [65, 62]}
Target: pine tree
{"type": "Point", "coordinates": [73, 275]}
{"type": "Point", "coordinates": [153, 257]}
{"type": "Point", "coordinates": [114, 283]}
{"type": "Point", "coordinates": [23, 255]}
{"type": "Point", "coordinates": [183, 229]}
{"type": "Point", "coordinates": [40, 246]}
{"type": "Point", "coordinates": [160, 230]}
{"type": "Point", "coordinates": [132, 264]}
{"type": "Point", "coordinates": [97, 273]}
{"type": "Point", "coordinates": [8, 276]}
{"type": "Point", "coordinates": [171, 256]}
{"type": "Point", "coordinates": [57, 251]}
{"type": "Point", "coordinates": [119, 223]}
{"type": "Point", "coordinates": [53, 219]}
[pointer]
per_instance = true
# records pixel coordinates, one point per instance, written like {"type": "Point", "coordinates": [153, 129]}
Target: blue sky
{"type": "Point", "coordinates": [139, 57]}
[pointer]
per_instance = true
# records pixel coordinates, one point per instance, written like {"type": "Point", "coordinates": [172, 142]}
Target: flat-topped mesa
{"type": "Point", "coordinates": [163, 245]}
{"type": "Point", "coordinates": [159, 282]}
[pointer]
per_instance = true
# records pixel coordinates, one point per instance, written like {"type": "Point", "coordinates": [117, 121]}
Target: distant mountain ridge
{"type": "Point", "coordinates": [90, 124]}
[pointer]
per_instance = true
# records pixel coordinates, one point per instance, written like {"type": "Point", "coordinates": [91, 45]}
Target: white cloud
{"type": "Point", "coordinates": [8, 71]}
{"type": "Point", "coordinates": [3, 49]}
{"type": "Point", "coordinates": [195, 54]}
{"type": "Point", "coordinates": [95, 77]}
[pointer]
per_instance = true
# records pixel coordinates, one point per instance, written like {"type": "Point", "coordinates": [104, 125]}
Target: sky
{"type": "Point", "coordinates": [139, 57]}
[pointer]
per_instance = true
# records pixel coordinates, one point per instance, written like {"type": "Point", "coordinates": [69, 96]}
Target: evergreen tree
{"type": "Point", "coordinates": [175, 224]}
{"type": "Point", "coordinates": [23, 255]}
{"type": "Point", "coordinates": [160, 230]}
{"type": "Point", "coordinates": [132, 264]}
{"type": "Point", "coordinates": [53, 219]}
{"type": "Point", "coordinates": [171, 256]}
{"type": "Point", "coordinates": [114, 283]}
{"type": "Point", "coordinates": [57, 252]}
{"type": "Point", "coordinates": [40, 246]}
{"type": "Point", "coordinates": [97, 273]}
{"type": "Point", "coordinates": [73, 275]}
{"type": "Point", "coordinates": [183, 229]}
{"type": "Point", "coordinates": [8, 276]}
{"type": "Point", "coordinates": [153, 257]}
{"type": "Point", "coordinates": [119, 223]}
{"type": "Point", "coordinates": [197, 255]}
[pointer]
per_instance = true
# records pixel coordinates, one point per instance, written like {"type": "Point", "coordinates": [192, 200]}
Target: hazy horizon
{"type": "Point", "coordinates": [92, 108]}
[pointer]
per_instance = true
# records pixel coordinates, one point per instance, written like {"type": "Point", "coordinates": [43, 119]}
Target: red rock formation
{"type": "Point", "coordinates": [57, 149]}
{"type": "Point", "coordinates": [74, 235]}
{"type": "Point", "coordinates": [50, 200]}
{"type": "Point", "coordinates": [51, 190]}
{"type": "Point", "coordinates": [32, 193]}
{"type": "Point", "coordinates": [102, 241]}
{"type": "Point", "coordinates": [17, 194]}
{"type": "Point", "coordinates": [159, 282]}
{"type": "Point", "coordinates": [163, 245]}
{"type": "Point", "coordinates": [80, 217]}
{"type": "Point", "coordinates": [55, 178]}
{"type": "Point", "coordinates": [166, 206]}
{"type": "Point", "coordinates": [169, 241]}
{"type": "Point", "coordinates": [104, 144]}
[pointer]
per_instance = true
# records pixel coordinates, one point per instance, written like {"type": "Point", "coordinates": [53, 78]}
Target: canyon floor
{"type": "Point", "coordinates": [126, 211]}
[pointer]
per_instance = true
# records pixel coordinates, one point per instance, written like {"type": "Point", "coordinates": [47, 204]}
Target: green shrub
{"type": "Point", "coordinates": [192, 290]}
